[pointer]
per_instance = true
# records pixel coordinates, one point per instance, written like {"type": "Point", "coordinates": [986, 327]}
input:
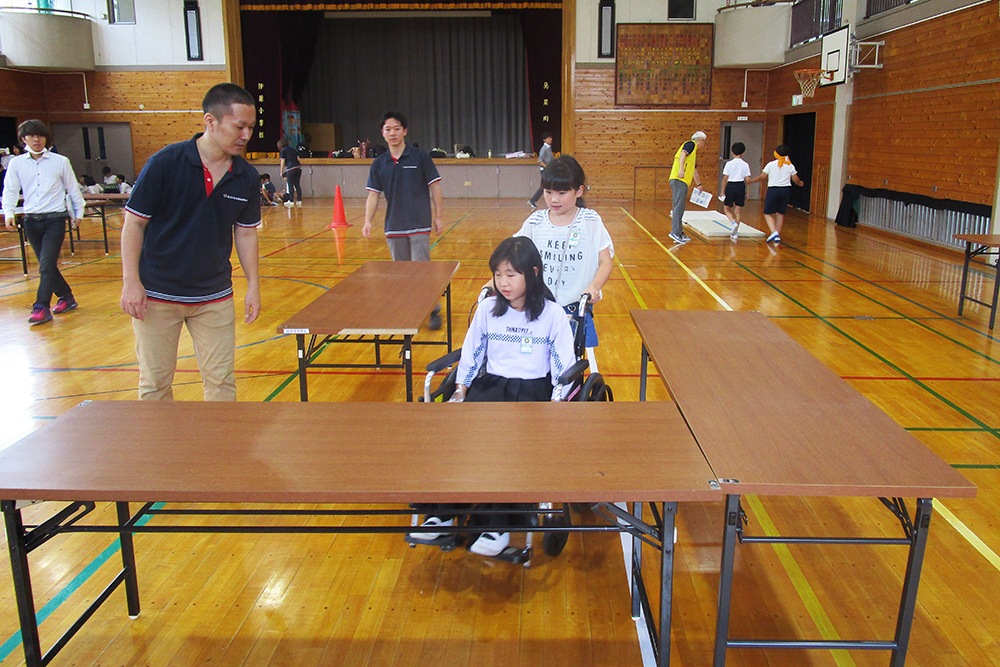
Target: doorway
{"type": "Point", "coordinates": [752, 136]}
{"type": "Point", "coordinates": [8, 131]}
{"type": "Point", "coordinates": [799, 135]}
{"type": "Point", "coordinates": [91, 147]}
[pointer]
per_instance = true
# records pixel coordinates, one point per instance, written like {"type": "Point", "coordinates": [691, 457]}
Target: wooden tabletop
{"type": "Point", "coordinates": [109, 196]}
{"type": "Point", "coordinates": [384, 298]}
{"type": "Point", "coordinates": [981, 239]}
{"type": "Point", "coordinates": [768, 413]}
{"type": "Point", "coordinates": [359, 452]}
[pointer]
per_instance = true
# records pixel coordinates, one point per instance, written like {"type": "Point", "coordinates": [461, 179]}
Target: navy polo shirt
{"type": "Point", "coordinates": [405, 184]}
{"type": "Point", "coordinates": [189, 235]}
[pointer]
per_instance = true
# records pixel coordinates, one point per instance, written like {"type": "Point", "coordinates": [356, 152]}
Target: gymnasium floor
{"type": "Point", "coordinates": [878, 310]}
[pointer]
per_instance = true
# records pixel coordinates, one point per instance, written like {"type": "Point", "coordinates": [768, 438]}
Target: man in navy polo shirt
{"type": "Point", "coordinates": [187, 206]}
{"type": "Point", "coordinates": [408, 179]}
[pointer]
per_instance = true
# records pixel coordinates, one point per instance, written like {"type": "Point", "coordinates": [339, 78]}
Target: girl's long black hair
{"type": "Point", "coordinates": [564, 174]}
{"type": "Point", "coordinates": [522, 255]}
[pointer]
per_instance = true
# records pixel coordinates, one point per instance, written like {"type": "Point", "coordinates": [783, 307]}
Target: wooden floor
{"type": "Point", "coordinates": [879, 311]}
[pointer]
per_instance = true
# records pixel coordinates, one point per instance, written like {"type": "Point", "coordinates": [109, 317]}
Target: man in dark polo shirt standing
{"type": "Point", "coordinates": [187, 206]}
{"type": "Point", "coordinates": [409, 180]}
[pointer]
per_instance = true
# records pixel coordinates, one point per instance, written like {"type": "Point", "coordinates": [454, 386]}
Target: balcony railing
{"type": "Point", "coordinates": [815, 18]}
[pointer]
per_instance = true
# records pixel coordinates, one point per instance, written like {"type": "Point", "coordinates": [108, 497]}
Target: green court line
{"type": "Point", "coordinates": [975, 466]}
{"type": "Point", "coordinates": [904, 316]}
{"type": "Point", "coordinates": [898, 296]}
{"type": "Point", "coordinates": [294, 375]}
{"type": "Point", "coordinates": [874, 354]}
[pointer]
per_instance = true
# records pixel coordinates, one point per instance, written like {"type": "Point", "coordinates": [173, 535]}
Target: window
{"type": "Point", "coordinates": [606, 29]}
{"type": "Point", "coordinates": [680, 9]}
{"type": "Point", "coordinates": [121, 11]}
{"type": "Point", "coordinates": [192, 29]}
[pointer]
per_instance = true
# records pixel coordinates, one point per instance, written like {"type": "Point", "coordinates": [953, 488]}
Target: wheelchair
{"type": "Point", "coordinates": [584, 387]}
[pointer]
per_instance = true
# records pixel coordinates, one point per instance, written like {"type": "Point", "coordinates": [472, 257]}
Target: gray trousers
{"type": "Point", "coordinates": [680, 190]}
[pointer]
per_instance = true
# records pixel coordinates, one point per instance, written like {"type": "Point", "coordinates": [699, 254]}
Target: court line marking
{"type": "Point", "coordinates": [873, 353]}
{"type": "Point", "coordinates": [42, 614]}
{"type": "Point", "coordinates": [799, 581]}
{"type": "Point", "coordinates": [679, 263]}
{"type": "Point", "coordinates": [802, 587]}
{"type": "Point", "coordinates": [973, 539]}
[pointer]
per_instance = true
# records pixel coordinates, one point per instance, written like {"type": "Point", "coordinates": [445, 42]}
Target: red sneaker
{"type": "Point", "coordinates": [40, 315]}
{"type": "Point", "coordinates": [62, 305]}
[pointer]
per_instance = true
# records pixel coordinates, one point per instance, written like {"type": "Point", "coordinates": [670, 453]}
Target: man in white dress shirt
{"type": "Point", "coordinates": [46, 180]}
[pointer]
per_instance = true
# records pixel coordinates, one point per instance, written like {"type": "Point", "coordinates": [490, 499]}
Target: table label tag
{"type": "Point", "coordinates": [296, 331]}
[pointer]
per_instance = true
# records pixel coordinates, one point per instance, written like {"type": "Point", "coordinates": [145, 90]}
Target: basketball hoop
{"type": "Point", "coordinates": [808, 79]}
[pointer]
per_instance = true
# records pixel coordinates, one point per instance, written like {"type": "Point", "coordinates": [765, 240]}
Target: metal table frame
{"type": "Point", "coordinates": [970, 253]}
{"type": "Point", "coordinates": [307, 353]}
{"type": "Point", "coordinates": [23, 539]}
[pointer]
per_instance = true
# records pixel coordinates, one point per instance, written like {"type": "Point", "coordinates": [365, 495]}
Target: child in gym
{"type": "Point", "coordinates": [735, 176]}
{"type": "Point", "coordinates": [524, 339]}
{"type": "Point", "coordinates": [575, 246]}
{"type": "Point", "coordinates": [780, 174]}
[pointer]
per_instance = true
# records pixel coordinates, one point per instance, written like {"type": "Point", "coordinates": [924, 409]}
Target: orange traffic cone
{"type": "Point", "coordinates": [339, 217]}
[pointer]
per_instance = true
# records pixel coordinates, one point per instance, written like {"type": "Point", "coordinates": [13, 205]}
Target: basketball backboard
{"type": "Point", "coordinates": [836, 56]}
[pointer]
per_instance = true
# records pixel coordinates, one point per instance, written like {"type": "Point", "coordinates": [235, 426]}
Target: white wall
{"type": "Point", "coordinates": [157, 40]}
{"type": "Point", "coordinates": [628, 11]}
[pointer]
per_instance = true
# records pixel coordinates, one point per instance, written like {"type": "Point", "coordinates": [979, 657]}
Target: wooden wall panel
{"type": "Point", "coordinates": [612, 141]}
{"type": "Point", "coordinates": [924, 123]}
{"type": "Point", "coordinates": [22, 95]}
{"type": "Point", "coordinates": [171, 101]}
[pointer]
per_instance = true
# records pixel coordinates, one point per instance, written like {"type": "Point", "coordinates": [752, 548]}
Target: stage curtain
{"type": "Point", "coordinates": [458, 80]}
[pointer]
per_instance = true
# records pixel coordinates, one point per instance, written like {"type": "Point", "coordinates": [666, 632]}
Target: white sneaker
{"type": "Point", "coordinates": [490, 544]}
{"type": "Point", "coordinates": [299, 203]}
{"type": "Point", "coordinates": [735, 230]}
{"type": "Point", "coordinates": [432, 522]}
{"type": "Point", "coordinates": [683, 238]}
{"type": "Point", "coordinates": [289, 204]}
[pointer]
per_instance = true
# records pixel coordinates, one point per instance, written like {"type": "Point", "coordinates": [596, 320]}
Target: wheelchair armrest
{"type": "Point", "coordinates": [573, 372]}
{"type": "Point", "coordinates": [444, 362]}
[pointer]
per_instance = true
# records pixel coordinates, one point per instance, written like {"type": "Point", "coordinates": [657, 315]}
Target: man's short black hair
{"type": "Point", "coordinates": [395, 115]}
{"type": "Point", "coordinates": [219, 100]}
{"type": "Point", "coordinates": [782, 150]}
{"type": "Point", "coordinates": [34, 127]}
{"type": "Point", "coordinates": [106, 170]}
{"type": "Point", "coordinates": [546, 135]}
{"type": "Point", "coordinates": [739, 148]}
{"type": "Point", "coordinates": [265, 177]}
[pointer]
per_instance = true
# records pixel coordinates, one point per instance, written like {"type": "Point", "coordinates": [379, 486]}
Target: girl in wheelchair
{"type": "Point", "coordinates": [518, 344]}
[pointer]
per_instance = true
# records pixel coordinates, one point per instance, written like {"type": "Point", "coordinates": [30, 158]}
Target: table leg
{"type": "Point", "coordinates": [643, 372]}
{"type": "Point", "coordinates": [636, 565]}
{"type": "Point", "coordinates": [22, 584]}
{"type": "Point", "coordinates": [69, 226]}
{"type": "Point", "coordinates": [104, 226]}
{"type": "Point", "coordinates": [24, 253]}
{"type": "Point", "coordinates": [128, 561]}
{"type": "Point", "coordinates": [300, 342]}
{"type": "Point", "coordinates": [666, 580]}
{"type": "Point", "coordinates": [965, 277]}
{"type": "Point", "coordinates": [447, 301]}
{"type": "Point", "coordinates": [914, 563]}
{"type": "Point", "coordinates": [408, 366]}
{"type": "Point", "coordinates": [731, 524]}
{"type": "Point", "coordinates": [996, 292]}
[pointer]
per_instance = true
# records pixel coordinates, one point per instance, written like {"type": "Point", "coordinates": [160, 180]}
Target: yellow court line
{"type": "Point", "coordinates": [635, 290]}
{"type": "Point", "coordinates": [967, 533]}
{"type": "Point", "coordinates": [802, 587]}
{"type": "Point", "coordinates": [680, 263]}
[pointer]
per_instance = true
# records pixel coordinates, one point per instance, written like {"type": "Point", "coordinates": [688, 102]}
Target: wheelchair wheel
{"type": "Point", "coordinates": [595, 389]}
{"type": "Point", "coordinates": [554, 543]}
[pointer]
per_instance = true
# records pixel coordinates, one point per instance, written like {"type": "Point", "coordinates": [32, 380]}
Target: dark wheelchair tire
{"type": "Point", "coordinates": [554, 543]}
{"type": "Point", "coordinates": [595, 389]}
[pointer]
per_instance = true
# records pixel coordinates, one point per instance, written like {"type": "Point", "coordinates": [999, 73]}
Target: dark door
{"type": "Point", "coordinates": [8, 131]}
{"type": "Point", "coordinates": [800, 135]}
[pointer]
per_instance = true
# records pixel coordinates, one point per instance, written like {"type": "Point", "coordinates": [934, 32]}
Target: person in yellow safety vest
{"type": "Point", "coordinates": [682, 173]}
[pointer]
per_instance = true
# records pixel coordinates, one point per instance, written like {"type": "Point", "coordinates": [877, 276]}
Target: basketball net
{"type": "Point", "coordinates": [808, 80]}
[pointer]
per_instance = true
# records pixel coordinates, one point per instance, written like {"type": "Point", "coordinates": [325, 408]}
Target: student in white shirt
{"type": "Point", "coordinates": [735, 176]}
{"type": "Point", "coordinates": [780, 174]}
{"type": "Point", "coordinates": [524, 339]}
{"type": "Point", "coordinates": [46, 179]}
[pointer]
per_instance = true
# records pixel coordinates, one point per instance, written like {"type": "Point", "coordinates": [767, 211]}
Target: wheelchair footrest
{"type": "Point", "coordinates": [444, 542]}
